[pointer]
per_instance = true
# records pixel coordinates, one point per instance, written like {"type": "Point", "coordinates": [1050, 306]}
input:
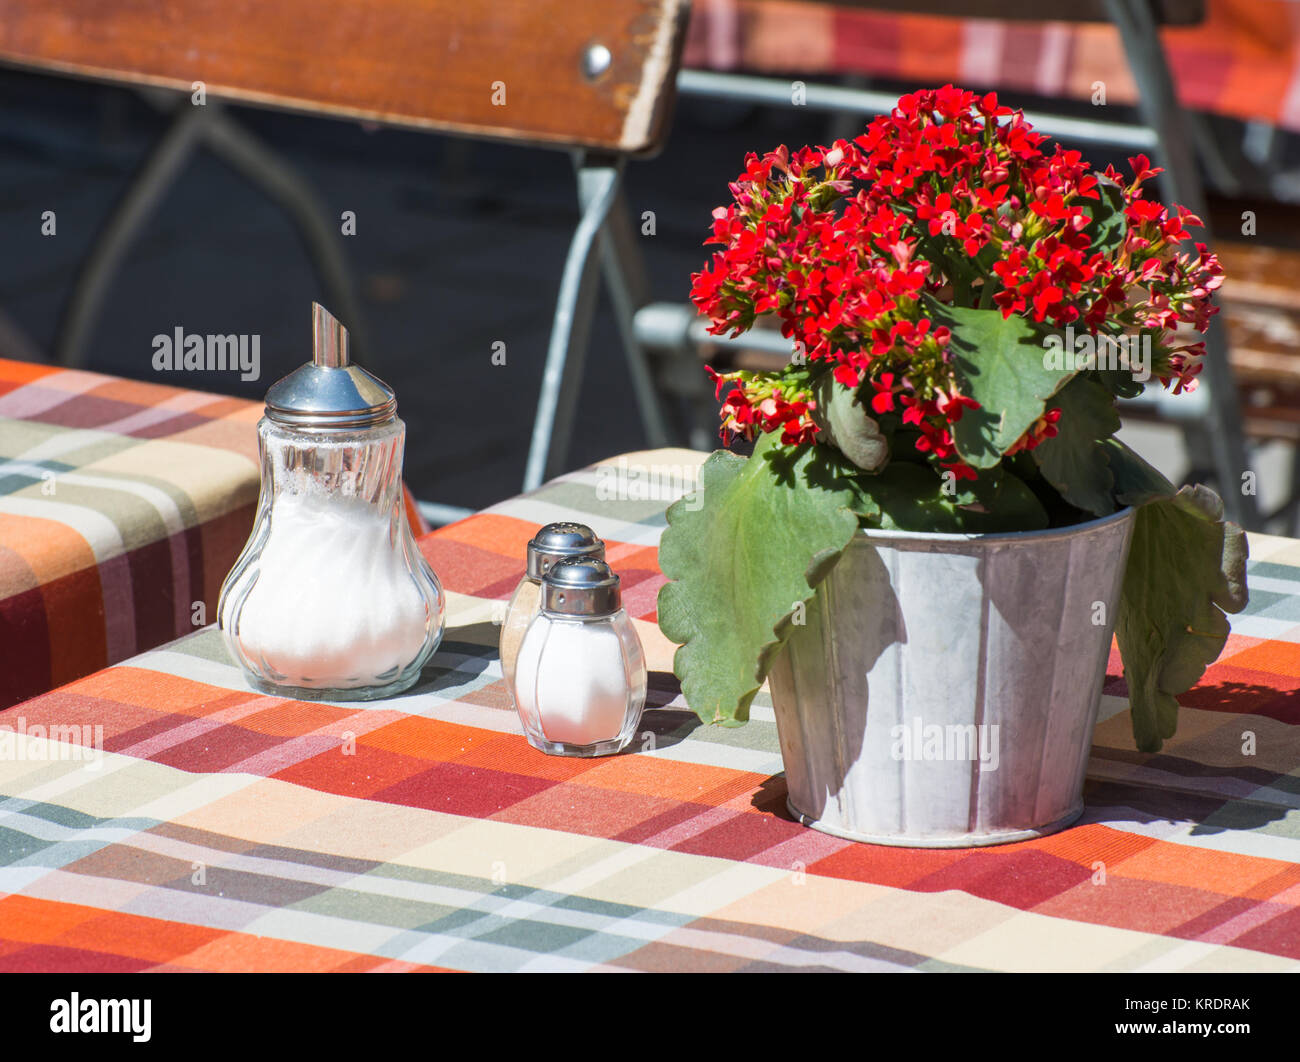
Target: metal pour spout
{"type": "Point", "coordinates": [329, 339]}
{"type": "Point", "coordinates": [330, 392]}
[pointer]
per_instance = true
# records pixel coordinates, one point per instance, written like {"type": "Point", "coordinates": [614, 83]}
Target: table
{"type": "Point", "coordinates": [228, 830]}
{"type": "Point", "coordinates": [123, 504]}
{"type": "Point", "coordinates": [1242, 61]}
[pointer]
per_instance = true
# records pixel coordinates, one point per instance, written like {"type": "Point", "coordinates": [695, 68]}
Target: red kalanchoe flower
{"type": "Point", "coordinates": [883, 402]}
{"type": "Point", "coordinates": [950, 197]}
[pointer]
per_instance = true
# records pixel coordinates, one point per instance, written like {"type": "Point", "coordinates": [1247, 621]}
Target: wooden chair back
{"type": "Point", "coordinates": [596, 74]}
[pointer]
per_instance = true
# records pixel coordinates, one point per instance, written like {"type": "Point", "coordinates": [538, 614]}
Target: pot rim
{"type": "Point", "coordinates": [1041, 535]}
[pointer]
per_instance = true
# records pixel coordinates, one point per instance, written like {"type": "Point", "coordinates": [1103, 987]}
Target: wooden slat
{"type": "Point", "coordinates": [1265, 276]}
{"type": "Point", "coordinates": [1262, 313]}
{"type": "Point", "coordinates": [1264, 344]}
{"type": "Point", "coordinates": [423, 63]}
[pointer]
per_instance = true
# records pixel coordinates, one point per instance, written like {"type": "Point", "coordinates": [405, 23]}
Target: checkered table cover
{"type": "Point", "coordinates": [1243, 60]}
{"type": "Point", "coordinates": [224, 829]}
{"type": "Point", "coordinates": [122, 507]}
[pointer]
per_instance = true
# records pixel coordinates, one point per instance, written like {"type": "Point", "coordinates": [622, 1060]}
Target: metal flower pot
{"type": "Point", "coordinates": [943, 690]}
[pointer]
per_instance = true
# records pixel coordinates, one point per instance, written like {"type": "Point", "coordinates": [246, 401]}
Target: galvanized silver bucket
{"type": "Point", "coordinates": [944, 688]}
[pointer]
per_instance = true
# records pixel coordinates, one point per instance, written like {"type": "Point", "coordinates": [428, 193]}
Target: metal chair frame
{"type": "Point", "coordinates": [212, 127]}
{"type": "Point", "coordinates": [603, 237]}
{"type": "Point", "coordinates": [603, 244]}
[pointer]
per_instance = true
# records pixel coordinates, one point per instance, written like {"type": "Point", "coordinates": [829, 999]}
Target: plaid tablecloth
{"type": "Point", "coordinates": [1243, 60]}
{"type": "Point", "coordinates": [228, 830]}
{"type": "Point", "coordinates": [122, 507]}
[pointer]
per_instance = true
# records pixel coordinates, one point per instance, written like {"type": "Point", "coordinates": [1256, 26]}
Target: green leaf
{"type": "Point", "coordinates": [949, 255]}
{"type": "Point", "coordinates": [1120, 382]}
{"type": "Point", "coordinates": [743, 553]}
{"type": "Point", "coordinates": [910, 497]}
{"type": "Point", "coordinates": [848, 426]}
{"type": "Point", "coordinates": [1186, 568]}
{"type": "Point", "coordinates": [1108, 225]}
{"type": "Point", "coordinates": [1074, 461]}
{"type": "Point", "coordinates": [1001, 365]}
{"type": "Point", "coordinates": [1136, 482]}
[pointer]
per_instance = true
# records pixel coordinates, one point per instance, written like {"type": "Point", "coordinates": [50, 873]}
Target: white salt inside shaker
{"type": "Point", "coordinates": [580, 679]}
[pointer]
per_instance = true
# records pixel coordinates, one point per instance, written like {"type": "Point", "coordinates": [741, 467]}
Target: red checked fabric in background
{"type": "Point", "coordinates": [122, 507]}
{"type": "Point", "coordinates": [223, 829]}
{"type": "Point", "coordinates": [1243, 60]}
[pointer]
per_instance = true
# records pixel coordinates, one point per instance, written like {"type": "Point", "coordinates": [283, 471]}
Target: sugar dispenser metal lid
{"type": "Point", "coordinates": [561, 541]}
{"type": "Point", "coordinates": [329, 392]}
{"type": "Point", "coordinates": [586, 587]}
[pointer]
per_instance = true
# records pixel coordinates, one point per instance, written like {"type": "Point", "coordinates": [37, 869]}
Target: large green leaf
{"type": "Point", "coordinates": [743, 553]}
{"type": "Point", "coordinates": [1074, 460]}
{"type": "Point", "coordinates": [1186, 569]}
{"type": "Point", "coordinates": [1001, 363]}
{"type": "Point", "coordinates": [910, 497]}
{"type": "Point", "coordinates": [1136, 482]}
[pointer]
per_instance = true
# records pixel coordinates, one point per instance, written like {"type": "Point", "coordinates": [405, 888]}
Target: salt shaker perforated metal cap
{"type": "Point", "coordinates": [561, 541]}
{"type": "Point", "coordinates": [586, 587]}
{"type": "Point", "coordinates": [329, 391]}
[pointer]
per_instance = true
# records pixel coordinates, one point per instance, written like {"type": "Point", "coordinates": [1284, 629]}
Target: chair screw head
{"type": "Point", "coordinates": [596, 59]}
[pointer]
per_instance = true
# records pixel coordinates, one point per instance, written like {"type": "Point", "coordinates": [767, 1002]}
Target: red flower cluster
{"type": "Point", "coordinates": [764, 404]}
{"type": "Point", "coordinates": [954, 197]}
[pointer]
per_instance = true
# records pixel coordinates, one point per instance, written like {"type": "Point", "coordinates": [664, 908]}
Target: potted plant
{"type": "Point", "coordinates": [937, 533]}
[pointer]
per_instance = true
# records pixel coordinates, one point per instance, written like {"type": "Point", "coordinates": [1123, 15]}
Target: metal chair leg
{"type": "Point", "coordinates": [1285, 519]}
{"type": "Point", "coordinates": [159, 170]}
{"type": "Point", "coordinates": [1158, 103]}
{"type": "Point", "coordinates": [598, 180]}
{"type": "Point", "coordinates": [288, 190]}
{"type": "Point", "coordinates": [628, 291]}
{"type": "Point", "coordinates": [675, 333]}
{"type": "Point", "coordinates": [190, 127]}
{"type": "Point", "coordinates": [1291, 527]}
{"type": "Point", "coordinates": [16, 343]}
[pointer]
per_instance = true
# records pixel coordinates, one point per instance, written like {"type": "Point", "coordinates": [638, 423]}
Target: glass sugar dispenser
{"type": "Point", "coordinates": [331, 599]}
{"type": "Point", "coordinates": [580, 680]}
{"type": "Point", "coordinates": [553, 543]}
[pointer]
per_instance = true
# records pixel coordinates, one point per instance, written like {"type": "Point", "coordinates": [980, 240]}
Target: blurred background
{"type": "Point", "coordinates": [460, 242]}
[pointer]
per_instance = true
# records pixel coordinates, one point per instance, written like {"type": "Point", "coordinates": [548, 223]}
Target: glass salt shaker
{"type": "Point", "coordinates": [552, 544]}
{"type": "Point", "coordinates": [580, 681]}
{"type": "Point", "coordinates": [331, 599]}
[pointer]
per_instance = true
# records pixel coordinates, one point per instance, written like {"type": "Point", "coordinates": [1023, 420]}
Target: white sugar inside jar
{"type": "Point", "coordinates": [330, 598]}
